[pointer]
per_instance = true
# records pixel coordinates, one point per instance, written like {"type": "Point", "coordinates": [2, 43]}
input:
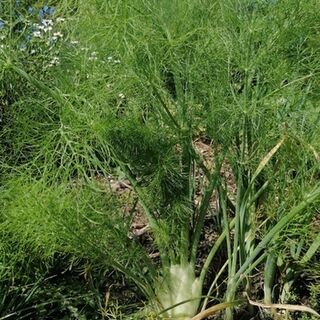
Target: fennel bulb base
{"type": "Point", "coordinates": [180, 286]}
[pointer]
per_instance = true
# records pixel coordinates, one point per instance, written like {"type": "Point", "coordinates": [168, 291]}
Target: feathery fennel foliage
{"type": "Point", "coordinates": [144, 82]}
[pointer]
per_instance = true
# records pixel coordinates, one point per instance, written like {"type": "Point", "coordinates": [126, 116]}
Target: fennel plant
{"type": "Point", "coordinates": [216, 71]}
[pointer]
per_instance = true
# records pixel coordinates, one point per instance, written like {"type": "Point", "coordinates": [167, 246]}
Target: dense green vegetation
{"type": "Point", "coordinates": [207, 112]}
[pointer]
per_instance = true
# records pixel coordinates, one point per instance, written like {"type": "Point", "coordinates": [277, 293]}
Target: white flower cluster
{"type": "Point", "coordinates": [45, 26]}
{"type": "Point", "coordinates": [112, 60]}
{"type": "Point", "coordinates": [47, 31]}
{"type": "Point", "coordinates": [93, 56]}
{"type": "Point", "coordinates": [57, 35]}
{"type": "Point", "coordinates": [54, 62]}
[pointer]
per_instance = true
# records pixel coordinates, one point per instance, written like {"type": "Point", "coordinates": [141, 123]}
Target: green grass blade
{"type": "Point", "coordinates": [312, 250]}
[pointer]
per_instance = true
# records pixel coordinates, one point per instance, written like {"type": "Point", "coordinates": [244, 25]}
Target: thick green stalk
{"type": "Point", "coordinates": [201, 216]}
{"type": "Point", "coordinates": [269, 273]}
{"type": "Point", "coordinates": [237, 229]}
{"type": "Point", "coordinates": [223, 205]}
{"type": "Point", "coordinates": [188, 169]}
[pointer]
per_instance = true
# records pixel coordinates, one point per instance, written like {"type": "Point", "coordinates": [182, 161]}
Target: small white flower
{"type": "Point", "coordinates": [54, 62]}
{"type": "Point", "coordinates": [60, 19]}
{"type": "Point", "coordinates": [122, 96]}
{"type": "Point", "coordinates": [47, 22]}
{"type": "Point", "coordinates": [116, 61]}
{"type": "Point", "coordinates": [46, 29]}
{"type": "Point", "coordinates": [37, 34]}
{"type": "Point", "coordinates": [93, 56]}
{"type": "Point", "coordinates": [110, 58]}
{"type": "Point", "coordinates": [58, 34]}
{"type": "Point", "coordinates": [74, 42]}
{"type": "Point", "coordinates": [282, 100]}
